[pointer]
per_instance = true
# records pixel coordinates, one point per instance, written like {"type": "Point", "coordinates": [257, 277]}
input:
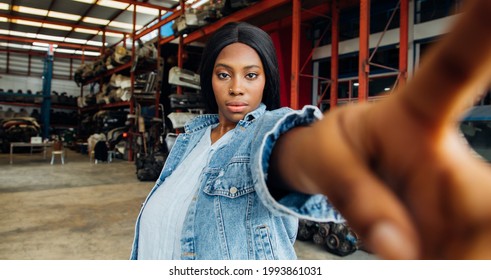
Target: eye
{"type": "Point", "coordinates": [222, 75]}
{"type": "Point", "coordinates": [251, 76]}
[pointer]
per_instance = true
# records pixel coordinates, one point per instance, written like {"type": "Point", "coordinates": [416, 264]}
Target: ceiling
{"type": "Point", "coordinates": [73, 25]}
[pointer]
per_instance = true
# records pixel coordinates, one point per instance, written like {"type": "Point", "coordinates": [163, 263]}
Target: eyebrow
{"type": "Point", "coordinates": [230, 68]}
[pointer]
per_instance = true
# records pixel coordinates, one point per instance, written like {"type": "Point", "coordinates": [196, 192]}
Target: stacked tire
{"type": "Point", "coordinates": [337, 238]}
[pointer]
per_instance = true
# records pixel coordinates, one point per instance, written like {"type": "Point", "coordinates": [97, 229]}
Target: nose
{"type": "Point", "coordinates": [235, 88]}
{"type": "Point", "coordinates": [232, 91]}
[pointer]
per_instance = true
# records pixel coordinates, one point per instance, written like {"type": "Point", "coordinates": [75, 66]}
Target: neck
{"type": "Point", "coordinates": [220, 130]}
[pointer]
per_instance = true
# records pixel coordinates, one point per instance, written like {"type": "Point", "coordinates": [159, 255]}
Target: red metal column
{"type": "Point", "coordinates": [180, 47]}
{"type": "Point", "coordinates": [180, 54]}
{"type": "Point", "coordinates": [403, 42]}
{"type": "Point", "coordinates": [334, 53]}
{"type": "Point", "coordinates": [103, 49]}
{"type": "Point", "coordinates": [159, 71]}
{"type": "Point", "coordinates": [132, 77]}
{"type": "Point", "coordinates": [83, 55]}
{"type": "Point", "coordinates": [71, 69]}
{"type": "Point", "coordinates": [363, 66]}
{"type": "Point", "coordinates": [294, 98]}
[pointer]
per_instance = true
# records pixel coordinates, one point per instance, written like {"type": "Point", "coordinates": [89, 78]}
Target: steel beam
{"type": "Point", "coordinates": [363, 63]}
{"type": "Point", "coordinates": [63, 44]}
{"type": "Point", "coordinates": [306, 15]}
{"type": "Point", "coordinates": [295, 68]}
{"type": "Point", "coordinates": [334, 54]}
{"type": "Point", "coordinates": [14, 17]}
{"type": "Point", "coordinates": [132, 105]}
{"type": "Point", "coordinates": [43, 54]}
{"type": "Point", "coordinates": [261, 7]}
{"type": "Point", "coordinates": [403, 42]}
{"type": "Point", "coordinates": [143, 4]}
{"type": "Point", "coordinates": [160, 69]}
{"type": "Point", "coordinates": [159, 24]}
{"type": "Point", "coordinates": [46, 105]}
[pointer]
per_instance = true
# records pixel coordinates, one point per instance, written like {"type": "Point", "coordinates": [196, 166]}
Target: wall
{"type": "Point", "coordinates": [24, 83]}
{"type": "Point", "coordinates": [16, 75]}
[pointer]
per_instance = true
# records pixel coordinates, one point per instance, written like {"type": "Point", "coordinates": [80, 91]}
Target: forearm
{"type": "Point", "coordinates": [295, 162]}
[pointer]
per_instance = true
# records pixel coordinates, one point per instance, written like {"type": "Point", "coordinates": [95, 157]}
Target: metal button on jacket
{"type": "Point", "coordinates": [233, 190]}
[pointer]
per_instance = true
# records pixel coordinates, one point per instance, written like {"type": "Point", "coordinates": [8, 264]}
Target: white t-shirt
{"type": "Point", "coordinates": [164, 213]}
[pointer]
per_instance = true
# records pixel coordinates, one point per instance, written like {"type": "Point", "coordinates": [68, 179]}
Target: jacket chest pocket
{"type": "Point", "coordinates": [233, 181]}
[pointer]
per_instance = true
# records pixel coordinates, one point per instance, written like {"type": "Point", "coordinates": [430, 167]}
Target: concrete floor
{"type": "Point", "coordinates": [80, 210]}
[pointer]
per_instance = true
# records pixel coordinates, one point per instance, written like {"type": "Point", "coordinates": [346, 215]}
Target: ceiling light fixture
{"type": "Point", "coordinates": [94, 43]}
{"type": "Point", "coordinates": [85, 1]}
{"type": "Point", "coordinates": [95, 20]}
{"type": "Point", "coordinates": [79, 52]}
{"type": "Point", "coordinates": [32, 11]}
{"type": "Point", "coordinates": [64, 16]}
{"type": "Point", "coordinates": [44, 44]}
{"type": "Point", "coordinates": [84, 30]}
{"type": "Point", "coordinates": [25, 22]}
{"type": "Point", "coordinates": [144, 10]}
{"type": "Point", "coordinates": [57, 26]}
{"type": "Point", "coordinates": [199, 4]}
{"type": "Point", "coordinates": [124, 25]}
{"type": "Point", "coordinates": [21, 34]}
{"type": "Point", "coordinates": [113, 4]}
{"type": "Point", "coordinates": [75, 41]}
{"type": "Point", "coordinates": [111, 34]}
{"type": "Point", "coordinates": [49, 37]}
{"type": "Point", "coordinates": [69, 51]}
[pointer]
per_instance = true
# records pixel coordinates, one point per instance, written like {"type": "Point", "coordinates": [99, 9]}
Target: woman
{"type": "Point", "coordinates": [236, 181]}
{"type": "Point", "coordinates": [212, 196]}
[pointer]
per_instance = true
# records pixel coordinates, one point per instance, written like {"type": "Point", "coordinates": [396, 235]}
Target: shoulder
{"type": "Point", "coordinates": [308, 111]}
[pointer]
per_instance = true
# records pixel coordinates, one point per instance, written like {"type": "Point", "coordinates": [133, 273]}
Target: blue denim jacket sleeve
{"type": "Point", "coordinates": [272, 126]}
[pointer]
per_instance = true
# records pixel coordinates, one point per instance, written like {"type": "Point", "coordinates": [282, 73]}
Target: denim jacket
{"type": "Point", "coordinates": [233, 215]}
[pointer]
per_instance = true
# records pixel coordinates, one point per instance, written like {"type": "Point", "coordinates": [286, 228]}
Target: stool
{"type": "Point", "coordinates": [58, 150]}
{"type": "Point", "coordinates": [62, 156]}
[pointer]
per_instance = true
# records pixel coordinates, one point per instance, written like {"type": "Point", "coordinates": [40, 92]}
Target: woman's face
{"type": "Point", "coordinates": [238, 82]}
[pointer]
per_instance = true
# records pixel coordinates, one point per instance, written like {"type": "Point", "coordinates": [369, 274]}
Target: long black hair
{"type": "Point", "coordinates": [254, 37]}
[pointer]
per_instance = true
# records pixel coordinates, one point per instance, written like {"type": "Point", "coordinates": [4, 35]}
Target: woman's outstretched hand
{"type": "Point", "coordinates": [419, 192]}
{"type": "Point", "coordinates": [398, 170]}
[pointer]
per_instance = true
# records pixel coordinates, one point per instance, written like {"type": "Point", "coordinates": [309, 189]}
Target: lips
{"type": "Point", "coordinates": [236, 106]}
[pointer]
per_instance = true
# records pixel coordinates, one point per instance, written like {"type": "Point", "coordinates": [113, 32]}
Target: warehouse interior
{"type": "Point", "coordinates": [93, 94]}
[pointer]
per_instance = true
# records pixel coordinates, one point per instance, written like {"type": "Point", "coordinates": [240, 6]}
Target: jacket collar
{"type": "Point", "coordinates": [206, 120]}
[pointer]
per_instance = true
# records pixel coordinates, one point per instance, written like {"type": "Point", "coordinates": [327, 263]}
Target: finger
{"type": "Point", "coordinates": [452, 75]}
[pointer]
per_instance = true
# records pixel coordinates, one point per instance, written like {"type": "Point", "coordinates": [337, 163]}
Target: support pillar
{"type": "Point", "coordinates": [134, 122]}
{"type": "Point", "coordinates": [180, 62]}
{"type": "Point", "coordinates": [294, 90]}
{"type": "Point", "coordinates": [334, 53]}
{"type": "Point", "coordinates": [403, 45]}
{"type": "Point", "coordinates": [47, 78]}
{"type": "Point", "coordinates": [363, 66]}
